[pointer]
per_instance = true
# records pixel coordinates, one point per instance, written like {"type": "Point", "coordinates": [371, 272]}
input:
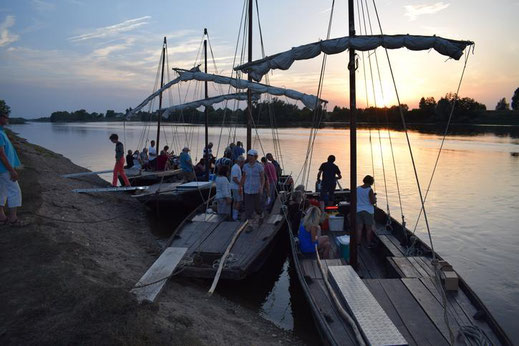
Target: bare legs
{"type": "Point", "coordinates": [12, 214]}
{"type": "Point", "coordinates": [324, 246]}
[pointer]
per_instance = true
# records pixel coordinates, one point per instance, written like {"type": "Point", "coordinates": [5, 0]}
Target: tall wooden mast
{"type": "Point", "coordinates": [353, 144]}
{"type": "Point", "coordinates": [160, 95]}
{"type": "Point", "coordinates": [249, 92]}
{"type": "Point", "coordinates": [206, 111]}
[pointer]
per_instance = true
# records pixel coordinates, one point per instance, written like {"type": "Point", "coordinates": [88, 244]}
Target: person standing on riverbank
{"type": "Point", "coordinates": [10, 193]}
{"type": "Point", "coordinates": [119, 161]}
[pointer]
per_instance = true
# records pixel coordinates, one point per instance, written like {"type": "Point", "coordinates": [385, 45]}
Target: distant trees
{"type": "Point", "coordinates": [515, 100]}
{"type": "Point", "coordinates": [502, 105]}
{"type": "Point", "coordinates": [4, 108]}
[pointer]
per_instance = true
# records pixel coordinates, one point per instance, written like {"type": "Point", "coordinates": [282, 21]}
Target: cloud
{"type": "Point", "coordinates": [41, 5]}
{"type": "Point", "coordinates": [106, 51]}
{"type": "Point", "coordinates": [5, 36]}
{"type": "Point", "coordinates": [112, 30]}
{"type": "Point", "coordinates": [413, 11]}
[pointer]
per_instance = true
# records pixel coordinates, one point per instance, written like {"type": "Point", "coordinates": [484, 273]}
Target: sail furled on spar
{"type": "Point", "coordinates": [257, 69]}
{"type": "Point", "coordinates": [310, 101]}
{"type": "Point", "coordinates": [208, 102]}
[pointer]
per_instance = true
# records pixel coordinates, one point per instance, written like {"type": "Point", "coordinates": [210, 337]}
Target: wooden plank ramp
{"type": "Point", "coordinates": [375, 324]}
{"type": "Point", "coordinates": [152, 282]}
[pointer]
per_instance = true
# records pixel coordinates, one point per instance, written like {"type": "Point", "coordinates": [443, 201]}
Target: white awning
{"type": "Point", "coordinates": [208, 102]}
{"type": "Point", "coordinates": [309, 101]}
{"type": "Point", "coordinates": [257, 69]}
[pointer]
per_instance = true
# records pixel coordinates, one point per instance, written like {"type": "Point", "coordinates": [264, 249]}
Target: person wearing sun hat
{"type": "Point", "coordinates": [252, 184]}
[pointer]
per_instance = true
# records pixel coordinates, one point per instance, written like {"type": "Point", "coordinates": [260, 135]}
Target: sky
{"type": "Point", "coordinates": [98, 55]}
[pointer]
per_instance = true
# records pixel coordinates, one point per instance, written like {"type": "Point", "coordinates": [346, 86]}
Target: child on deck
{"type": "Point", "coordinates": [223, 192]}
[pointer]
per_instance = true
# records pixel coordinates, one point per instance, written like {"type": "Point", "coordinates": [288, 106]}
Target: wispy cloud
{"type": "Point", "coordinates": [112, 30]}
{"type": "Point", "coordinates": [41, 5]}
{"type": "Point", "coordinates": [106, 51]}
{"type": "Point", "coordinates": [413, 11]}
{"type": "Point", "coordinates": [5, 36]}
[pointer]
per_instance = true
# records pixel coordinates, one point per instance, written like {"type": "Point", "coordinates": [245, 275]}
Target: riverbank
{"type": "Point", "coordinates": [66, 276]}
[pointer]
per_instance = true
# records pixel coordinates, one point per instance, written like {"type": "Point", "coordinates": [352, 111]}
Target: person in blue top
{"type": "Point", "coordinates": [310, 234]}
{"type": "Point", "coordinates": [186, 165]}
{"type": "Point", "coordinates": [238, 150]}
{"type": "Point", "coordinates": [10, 193]}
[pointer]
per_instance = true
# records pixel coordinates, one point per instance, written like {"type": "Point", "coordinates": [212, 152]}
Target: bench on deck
{"type": "Point", "coordinates": [155, 278]}
{"type": "Point", "coordinates": [372, 320]}
{"type": "Point", "coordinates": [412, 267]}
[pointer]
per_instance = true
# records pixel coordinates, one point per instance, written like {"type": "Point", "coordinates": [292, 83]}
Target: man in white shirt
{"type": "Point", "coordinates": [152, 155]}
{"type": "Point", "coordinates": [235, 186]}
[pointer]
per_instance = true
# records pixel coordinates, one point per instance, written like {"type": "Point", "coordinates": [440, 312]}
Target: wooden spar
{"type": "Point", "coordinates": [249, 78]}
{"type": "Point", "coordinates": [353, 146]}
{"type": "Point", "coordinates": [112, 189]}
{"type": "Point", "coordinates": [206, 112]}
{"type": "Point", "coordinates": [224, 257]}
{"type": "Point", "coordinates": [73, 175]}
{"type": "Point", "coordinates": [160, 95]}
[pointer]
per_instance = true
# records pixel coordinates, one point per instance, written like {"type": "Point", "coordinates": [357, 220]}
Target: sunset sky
{"type": "Point", "coordinates": [99, 55]}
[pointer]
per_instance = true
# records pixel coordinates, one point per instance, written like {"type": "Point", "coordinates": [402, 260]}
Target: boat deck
{"type": "Point", "coordinates": [405, 289]}
{"type": "Point", "coordinates": [207, 236]}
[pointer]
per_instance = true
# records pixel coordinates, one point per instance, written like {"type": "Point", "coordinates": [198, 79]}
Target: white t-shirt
{"type": "Point", "coordinates": [152, 153]}
{"type": "Point", "coordinates": [222, 187]}
{"type": "Point", "coordinates": [363, 203]}
{"type": "Point", "coordinates": [235, 173]}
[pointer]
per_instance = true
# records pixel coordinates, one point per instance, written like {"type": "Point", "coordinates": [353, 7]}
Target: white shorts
{"type": "Point", "coordinates": [10, 192]}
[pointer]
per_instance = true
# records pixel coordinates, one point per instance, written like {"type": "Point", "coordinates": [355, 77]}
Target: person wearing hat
{"type": "Point", "coordinates": [10, 193]}
{"type": "Point", "coordinates": [186, 165]}
{"type": "Point", "coordinates": [252, 185]}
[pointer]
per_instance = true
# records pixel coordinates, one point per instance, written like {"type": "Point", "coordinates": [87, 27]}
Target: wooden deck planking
{"type": "Point", "coordinates": [308, 266]}
{"type": "Point", "coordinates": [334, 322]}
{"type": "Point", "coordinates": [382, 298]}
{"type": "Point", "coordinates": [369, 314]}
{"type": "Point", "coordinates": [415, 319]}
{"type": "Point", "coordinates": [431, 306]}
{"type": "Point", "coordinates": [405, 266]}
{"type": "Point", "coordinates": [393, 250]}
{"type": "Point", "coordinates": [373, 266]}
{"type": "Point", "coordinates": [218, 240]}
{"type": "Point", "coordinates": [418, 266]}
{"type": "Point", "coordinates": [192, 232]}
{"type": "Point", "coordinates": [426, 264]}
{"type": "Point", "coordinates": [158, 274]}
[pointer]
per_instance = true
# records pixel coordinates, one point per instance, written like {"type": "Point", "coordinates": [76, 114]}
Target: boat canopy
{"type": "Point", "coordinates": [257, 69]}
{"type": "Point", "coordinates": [208, 102]}
{"type": "Point", "coordinates": [309, 101]}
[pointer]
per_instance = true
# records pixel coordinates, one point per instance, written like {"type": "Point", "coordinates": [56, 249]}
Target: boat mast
{"type": "Point", "coordinates": [249, 78]}
{"type": "Point", "coordinates": [160, 95]}
{"type": "Point", "coordinates": [206, 111]}
{"type": "Point", "coordinates": [353, 144]}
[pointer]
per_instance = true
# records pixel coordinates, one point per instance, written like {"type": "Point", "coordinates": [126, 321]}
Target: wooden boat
{"type": "Point", "coordinates": [399, 292]}
{"type": "Point", "coordinates": [393, 285]}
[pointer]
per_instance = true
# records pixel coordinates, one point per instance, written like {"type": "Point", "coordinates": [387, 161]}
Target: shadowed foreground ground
{"type": "Point", "coordinates": [65, 278]}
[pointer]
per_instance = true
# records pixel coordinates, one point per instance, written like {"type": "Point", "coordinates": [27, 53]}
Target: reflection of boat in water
{"type": "Point", "coordinates": [399, 291]}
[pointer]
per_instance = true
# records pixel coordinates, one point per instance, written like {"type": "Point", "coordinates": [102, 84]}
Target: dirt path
{"type": "Point", "coordinates": [65, 278]}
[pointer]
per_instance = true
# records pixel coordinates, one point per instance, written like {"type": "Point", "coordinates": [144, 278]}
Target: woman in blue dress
{"type": "Point", "coordinates": [310, 234]}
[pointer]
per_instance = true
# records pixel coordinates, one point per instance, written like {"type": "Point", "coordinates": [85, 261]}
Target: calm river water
{"type": "Point", "coordinates": [472, 206]}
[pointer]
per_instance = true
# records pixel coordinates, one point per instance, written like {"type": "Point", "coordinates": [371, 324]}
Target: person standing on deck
{"type": "Point", "coordinates": [129, 160]}
{"type": "Point", "coordinates": [331, 173]}
{"type": "Point", "coordinates": [10, 193]}
{"type": "Point", "coordinates": [186, 165]}
{"type": "Point", "coordinates": [237, 195]}
{"type": "Point", "coordinates": [366, 201]}
{"type": "Point", "coordinates": [252, 185]}
{"type": "Point", "coordinates": [223, 192]}
{"type": "Point", "coordinates": [225, 160]}
{"type": "Point", "coordinates": [272, 178]}
{"type": "Point", "coordinates": [208, 151]}
{"type": "Point", "coordinates": [152, 155]}
{"type": "Point", "coordinates": [276, 165]}
{"type": "Point", "coordinates": [238, 150]}
{"type": "Point", "coordinates": [119, 161]}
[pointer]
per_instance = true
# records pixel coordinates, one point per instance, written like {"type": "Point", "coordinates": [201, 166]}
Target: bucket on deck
{"type": "Point", "coordinates": [336, 223]}
{"type": "Point", "coordinates": [343, 243]}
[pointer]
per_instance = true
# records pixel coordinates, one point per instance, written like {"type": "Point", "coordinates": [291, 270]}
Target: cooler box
{"type": "Point", "coordinates": [336, 223]}
{"type": "Point", "coordinates": [343, 243]}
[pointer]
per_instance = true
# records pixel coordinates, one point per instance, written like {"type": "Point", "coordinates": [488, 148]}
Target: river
{"type": "Point", "coordinates": [472, 205]}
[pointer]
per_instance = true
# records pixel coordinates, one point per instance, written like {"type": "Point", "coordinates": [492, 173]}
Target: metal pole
{"type": "Point", "coordinates": [249, 92]}
{"type": "Point", "coordinates": [160, 95]}
{"type": "Point", "coordinates": [206, 110]}
{"type": "Point", "coordinates": [353, 145]}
